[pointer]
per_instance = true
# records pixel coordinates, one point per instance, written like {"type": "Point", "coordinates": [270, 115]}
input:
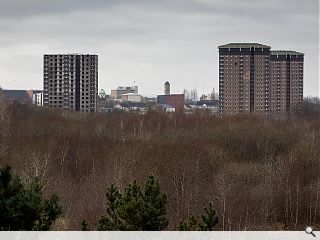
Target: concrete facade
{"type": "Point", "coordinates": [71, 81]}
{"type": "Point", "coordinates": [286, 72]}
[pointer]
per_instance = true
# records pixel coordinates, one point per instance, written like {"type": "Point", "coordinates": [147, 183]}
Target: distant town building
{"type": "Point", "coordinates": [253, 79]}
{"type": "Point", "coordinates": [166, 88]}
{"type": "Point", "coordinates": [131, 97]}
{"type": "Point", "coordinates": [104, 104]}
{"type": "Point", "coordinates": [212, 105]}
{"type": "Point", "coordinates": [102, 94]}
{"type": "Point", "coordinates": [208, 103]}
{"type": "Point", "coordinates": [167, 108]}
{"type": "Point", "coordinates": [130, 106]}
{"type": "Point", "coordinates": [207, 97]}
{"type": "Point", "coordinates": [21, 96]}
{"type": "Point", "coordinates": [37, 98]}
{"type": "Point", "coordinates": [149, 99]}
{"type": "Point", "coordinates": [117, 94]}
{"type": "Point", "coordinates": [71, 81]}
{"type": "Point", "coordinates": [174, 100]}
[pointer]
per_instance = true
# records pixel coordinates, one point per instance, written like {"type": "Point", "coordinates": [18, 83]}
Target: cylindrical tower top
{"type": "Point", "coordinates": [166, 88]}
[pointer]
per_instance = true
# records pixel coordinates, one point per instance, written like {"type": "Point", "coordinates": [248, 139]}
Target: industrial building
{"type": "Point", "coordinates": [174, 100]}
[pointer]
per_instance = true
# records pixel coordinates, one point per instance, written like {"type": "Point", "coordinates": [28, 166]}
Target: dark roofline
{"type": "Point", "coordinates": [243, 45]}
{"type": "Point", "coordinates": [208, 103]}
{"type": "Point", "coordinates": [176, 94]}
{"type": "Point", "coordinates": [18, 95]}
{"type": "Point", "coordinates": [66, 54]}
{"type": "Point", "coordinates": [132, 104]}
{"type": "Point", "coordinates": [285, 52]}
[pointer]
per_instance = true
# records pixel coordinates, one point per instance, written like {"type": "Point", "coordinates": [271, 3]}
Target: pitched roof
{"type": "Point", "coordinates": [208, 103]}
{"type": "Point", "coordinates": [16, 95]}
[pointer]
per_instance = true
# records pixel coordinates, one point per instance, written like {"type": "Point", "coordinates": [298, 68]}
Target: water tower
{"type": "Point", "coordinates": [102, 94]}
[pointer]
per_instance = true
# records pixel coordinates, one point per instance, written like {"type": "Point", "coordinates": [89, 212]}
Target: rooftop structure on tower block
{"type": "Point", "coordinates": [244, 45]}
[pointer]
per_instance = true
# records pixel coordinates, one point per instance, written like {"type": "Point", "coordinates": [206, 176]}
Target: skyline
{"type": "Point", "coordinates": [151, 43]}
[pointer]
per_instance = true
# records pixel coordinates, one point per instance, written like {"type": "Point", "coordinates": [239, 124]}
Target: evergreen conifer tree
{"type": "Point", "coordinates": [135, 209]}
{"type": "Point", "coordinates": [24, 207]}
{"type": "Point", "coordinates": [209, 220]}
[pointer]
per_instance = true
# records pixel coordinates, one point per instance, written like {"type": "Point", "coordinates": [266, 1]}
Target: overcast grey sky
{"type": "Point", "coordinates": [151, 41]}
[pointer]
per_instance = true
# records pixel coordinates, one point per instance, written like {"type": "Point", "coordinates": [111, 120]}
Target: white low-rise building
{"type": "Point", "coordinates": [131, 97]}
{"type": "Point", "coordinates": [37, 99]}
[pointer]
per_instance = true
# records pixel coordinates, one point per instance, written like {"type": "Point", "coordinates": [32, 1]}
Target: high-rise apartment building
{"type": "Point", "coordinates": [254, 79]}
{"type": "Point", "coordinates": [70, 81]}
{"type": "Point", "coordinates": [244, 78]}
{"type": "Point", "coordinates": [286, 85]}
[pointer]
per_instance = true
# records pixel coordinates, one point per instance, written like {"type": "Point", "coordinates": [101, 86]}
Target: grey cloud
{"type": "Point", "coordinates": [152, 41]}
{"type": "Point", "coordinates": [23, 8]}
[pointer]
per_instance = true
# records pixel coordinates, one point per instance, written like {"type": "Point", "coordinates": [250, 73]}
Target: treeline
{"type": "Point", "coordinates": [259, 173]}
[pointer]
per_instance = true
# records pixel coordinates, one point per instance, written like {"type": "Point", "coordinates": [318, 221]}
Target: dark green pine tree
{"type": "Point", "coordinates": [209, 220]}
{"type": "Point", "coordinates": [135, 210]}
{"type": "Point", "coordinates": [85, 226]}
{"type": "Point", "coordinates": [189, 225]}
{"type": "Point", "coordinates": [24, 207]}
